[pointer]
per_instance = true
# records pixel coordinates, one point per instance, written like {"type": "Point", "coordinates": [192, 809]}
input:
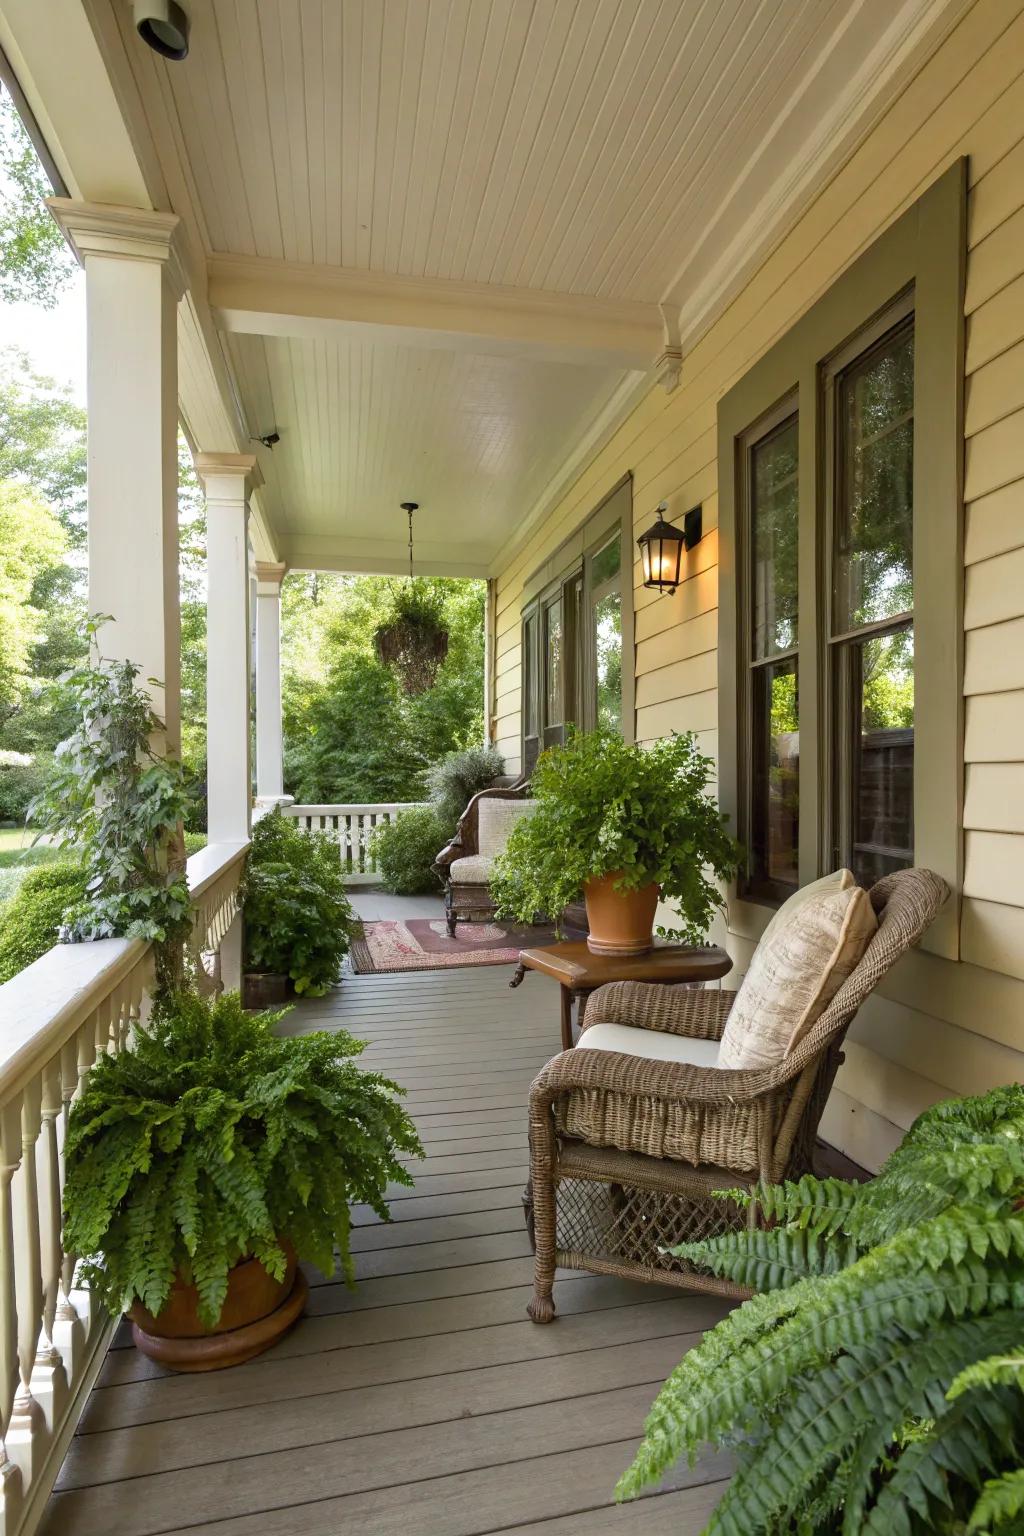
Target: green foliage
{"type": "Point", "coordinates": [211, 1140]}
{"type": "Point", "coordinates": [22, 776]}
{"type": "Point", "coordinates": [31, 542]}
{"type": "Point", "coordinates": [405, 850]}
{"type": "Point", "coordinates": [873, 1384]}
{"type": "Point", "coordinates": [458, 777]}
{"type": "Point", "coordinates": [30, 921]}
{"type": "Point", "coordinates": [605, 805]}
{"type": "Point", "coordinates": [298, 921]}
{"type": "Point", "coordinates": [351, 733]}
{"type": "Point", "coordinates": [194, 842]}
{"type": "Point", "coordinates": [115, 800]}
{"type": "Point", "coordinates": [35, 264]}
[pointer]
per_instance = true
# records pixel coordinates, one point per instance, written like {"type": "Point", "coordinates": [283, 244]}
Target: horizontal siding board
{"type": "Point", "coordinates": [694, 674]}
{"type": "Point", "coordinates": [992, 935]}
{"type": "Point", "coordinates": [994, 456]}
{"type": "Point", "coordinates": [995, 728]}
{"type": "Point", "coordinates": [995, 524]}
{"type": "Point", "coordinates": [993, 867]}
{"type": "Point", "coordinates": [995, 390]}
{"type": "Point", "coordinates": [996, 325]}
{"type": "Point", "coordinates": [994, 658]}
{"type": "Point", "coordinates": [995, 262]}
{"type": "Point", "coordinates": [994, 589]}
{"type": "Point", "coordinates": [994, 800]}
{"type": "Point", "coordinates": [998, 195]}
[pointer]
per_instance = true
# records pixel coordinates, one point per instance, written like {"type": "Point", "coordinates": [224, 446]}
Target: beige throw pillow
{"type": "Point", "coordinates": [839, 880]}
{"type": "Point", "coordinates": [794, 975]}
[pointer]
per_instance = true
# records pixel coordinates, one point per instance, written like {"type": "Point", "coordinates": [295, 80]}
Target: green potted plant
{"type": "Point", "coordinates": [625, 826]}
{"type": "Point", "coordinates": [875, 1382]}
{"type": "Point", "coordinates": [209, 1157]}
{"type": "Point", "coordinates": [414, 637]}
{"type": "Point", "coordinates": [298, 920]}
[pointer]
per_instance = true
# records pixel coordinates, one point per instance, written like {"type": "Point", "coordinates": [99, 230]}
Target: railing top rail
{"type": "Point", "coordinates": [353, 809]}
{"type": "Point", "coordinates": [43, 1006]}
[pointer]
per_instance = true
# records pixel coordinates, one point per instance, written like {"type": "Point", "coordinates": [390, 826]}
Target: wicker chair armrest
{"type": "Point", "coordinates": [669, 1010]}
{"type": "Point", "coordinates": [615, 1072]}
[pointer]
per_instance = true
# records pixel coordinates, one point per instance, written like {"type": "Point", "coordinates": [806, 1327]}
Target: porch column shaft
{"type": "Point", "coordinates": [134, 277]}
{"type": "Point", "coordinates": [227, 479]}
{"type": "Point", "coordinates": [269, 734]}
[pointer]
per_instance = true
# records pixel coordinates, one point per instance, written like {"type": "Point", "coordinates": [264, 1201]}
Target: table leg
{"type": "Point", "coordinates": [566, 996]}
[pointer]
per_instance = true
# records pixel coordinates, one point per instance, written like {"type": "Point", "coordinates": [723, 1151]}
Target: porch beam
{"type": "Point", "coordinates": [134, 278]}
{"type": "Point", "coordinates": [381, 557]}
{"type": "Point", "coordinates": [269, 732]}
{"type": "Point", "coordinates": [265, 297]}
{"type": "Point", "coordinates": [228, 479]}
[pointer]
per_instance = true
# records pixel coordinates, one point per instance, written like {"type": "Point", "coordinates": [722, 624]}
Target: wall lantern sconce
{"type": "Point", "coordinates": [661, 549]}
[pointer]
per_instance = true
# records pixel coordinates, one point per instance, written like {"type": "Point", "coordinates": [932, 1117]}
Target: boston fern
{"type": "Point", "coordinates": [604, 805]}
{"type": "Point", "coordinates": [212, 1139]}
{"type": "Point", "coordinates": [875, 1382]}
{"type": "Point", "coordinates": [298, 920]}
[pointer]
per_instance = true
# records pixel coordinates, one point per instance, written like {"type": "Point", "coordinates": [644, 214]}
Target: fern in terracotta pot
{"type": "Point", "coordinates": [207, 1158]}
{"type": "Point", "coordinates": [623, 826]}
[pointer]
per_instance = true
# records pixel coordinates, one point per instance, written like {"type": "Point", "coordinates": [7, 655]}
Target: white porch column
{"type": "Point", "coordinates": [227, 479]}
{"type": "Point", "coordinates": [134, 277]}
{"type": "Point", "coordinates": [269, 734]}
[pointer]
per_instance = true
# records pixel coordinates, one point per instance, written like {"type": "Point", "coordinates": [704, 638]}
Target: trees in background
{"type": "Point", "coordinates": [351, 733]}
{"type": "Point", "coordinates": [35, 264]}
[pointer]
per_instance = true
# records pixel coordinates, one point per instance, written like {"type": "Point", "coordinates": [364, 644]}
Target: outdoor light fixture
{"type": "Point", "coordinates": [268, 439]}
{"type": "Point", "coordinates": [661, 548]}
{"type": "Point", "coordinates": [163, 24]}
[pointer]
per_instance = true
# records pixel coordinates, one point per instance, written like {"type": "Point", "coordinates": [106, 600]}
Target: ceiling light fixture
{"type": "Point", "coordinates": [164, 25]}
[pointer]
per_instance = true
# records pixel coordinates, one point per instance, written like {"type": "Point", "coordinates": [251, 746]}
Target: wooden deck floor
{"type": "Point", "coordinates": [425, 1403]}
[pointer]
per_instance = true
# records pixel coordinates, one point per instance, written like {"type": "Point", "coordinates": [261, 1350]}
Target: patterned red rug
{"type": "Point", "coordinates": [422, 944]}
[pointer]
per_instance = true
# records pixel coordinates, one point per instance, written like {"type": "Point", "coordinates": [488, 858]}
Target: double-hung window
{"type": "Point", "coordinates": [840, 482]}
{"type": "Point", "coordinates": [577, 640]}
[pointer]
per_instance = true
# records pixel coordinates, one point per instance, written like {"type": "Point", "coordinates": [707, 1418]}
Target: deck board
{"type": "Point", "coordinates": [425, 1400]}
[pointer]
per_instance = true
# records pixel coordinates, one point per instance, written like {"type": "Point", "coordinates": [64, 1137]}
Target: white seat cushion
{"type": "Point", "coordinates": [794, 975]}
{"type": "Point", "coordinates": [650, 1043]}
{"type": "Point", "coordinates": [474, 869]}
{"type": "Point", "coordinates": [495, 820]}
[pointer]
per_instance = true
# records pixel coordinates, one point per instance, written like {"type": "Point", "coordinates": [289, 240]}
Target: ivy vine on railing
{"type": "Point", "coordinates": [117, 803]}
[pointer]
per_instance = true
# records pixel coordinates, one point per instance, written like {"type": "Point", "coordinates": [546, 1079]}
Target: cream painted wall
{"type": "Point", "coordinates": [936, 1027]}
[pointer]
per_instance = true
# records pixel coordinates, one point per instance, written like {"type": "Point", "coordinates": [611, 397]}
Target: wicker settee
{"type": "Point", "coordinates": [626, 1150]}
{"type": "Point", "coordinates": [465, 863]}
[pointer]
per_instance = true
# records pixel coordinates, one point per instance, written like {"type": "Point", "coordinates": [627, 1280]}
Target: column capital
{"type": "Point", "coordinates": [228, 476]}
{"type": "Point", "coordinates": [269, 576]}
{"type": "Point", "coordinates": [126, 234]}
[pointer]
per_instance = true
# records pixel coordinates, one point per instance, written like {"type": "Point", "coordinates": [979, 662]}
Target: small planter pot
{"type": "Point", "coordinates": [621, 922]}
{"type": "Point", "coordinates": [258, 1310]}
{"type": "Point", "coordinates": [264, 989]}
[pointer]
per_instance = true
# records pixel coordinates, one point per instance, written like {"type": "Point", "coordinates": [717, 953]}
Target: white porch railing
{"type": "Point", "coordinates": [351, 827]}
{"type": "Point", "coordinates": [56, 1017]}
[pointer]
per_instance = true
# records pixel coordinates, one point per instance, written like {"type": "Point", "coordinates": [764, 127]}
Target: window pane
{"type": "Point", "coordinates": [530, 701]}
{"type": "Point", "coordinates": [875, 489]}
{"type": "Point", "coordinates": [608, 649]}
{"type": "Point", "coordinates": [605, 563]}
{"type": "Point", "coordinates": [774, 492]}
{"type": "Point", "coordinates": [553, 664]}
{"type": "Point", "coordinates": [775, 785]}
{"type": "Point", "coordinates": [882, 811]}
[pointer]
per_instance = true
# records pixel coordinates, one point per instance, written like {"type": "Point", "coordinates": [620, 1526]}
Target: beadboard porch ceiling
{"type": "Point", "coordinates": [438, 245]}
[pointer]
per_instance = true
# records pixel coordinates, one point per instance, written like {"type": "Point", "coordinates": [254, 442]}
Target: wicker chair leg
{"type": "Point", "coordinates": [449, 914]}
{"type": "Point", "coordinates": [542, 1191]}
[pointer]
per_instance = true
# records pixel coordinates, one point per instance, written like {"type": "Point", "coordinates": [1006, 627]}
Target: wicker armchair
{"type": "Point", "coordinates": [625, 1150]}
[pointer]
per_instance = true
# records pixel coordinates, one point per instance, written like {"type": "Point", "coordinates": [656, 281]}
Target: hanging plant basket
{"type": "Point", "coordinates": [414, 639]}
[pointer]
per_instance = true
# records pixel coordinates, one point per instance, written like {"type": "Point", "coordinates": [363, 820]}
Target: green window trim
{"type": "Point", "coordinates": [924, 254]}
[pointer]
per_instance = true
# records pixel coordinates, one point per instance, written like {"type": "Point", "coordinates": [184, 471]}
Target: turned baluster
{"type": "Point", "coordinates": [10, 1157]}
{"type": "Point", "coordinates": [27, 1432]}
{"type": "Point", "coordinates": [78, 1301]}
{"type": "Point", "coordinates": [68, 1326]}
{"type": "Point", "coordinates": [50, 1378]}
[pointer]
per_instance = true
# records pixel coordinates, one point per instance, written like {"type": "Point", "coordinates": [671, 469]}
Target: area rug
{"type": "Point", "coordinates": [422, 944]}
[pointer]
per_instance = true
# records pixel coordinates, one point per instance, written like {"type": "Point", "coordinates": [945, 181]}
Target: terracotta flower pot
{"type": "Point", "coordinates": [621, 922]}
{"type": "Point", "coordinates": [257, 1311]}
{"type": "Point", "coordinates": [264, 989]}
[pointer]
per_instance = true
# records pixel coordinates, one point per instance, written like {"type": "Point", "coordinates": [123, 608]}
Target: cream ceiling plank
{"type": "Point", "coordinates": [239, 28]}
{"type": "Point", "coordinates": [435, 101]}
{"type": "Point", "coordinates": [369, 125]}
{"type": "Point", "coordinates": [287, 298]}
{"type": "Point", "coordinates": [332, 150]}
{"type": "Point", "coordinates": [393, 61]}
{"type": "Point", "coordinates": [320, 84]}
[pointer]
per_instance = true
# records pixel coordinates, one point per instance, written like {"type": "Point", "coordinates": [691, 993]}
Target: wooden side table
{"type": "Point", "coordinates": [578, 972]}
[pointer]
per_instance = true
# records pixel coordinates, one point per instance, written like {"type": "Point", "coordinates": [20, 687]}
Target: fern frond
{"type": "Point", "coordinates": [770, 1259]}
{"type": "Point", "coordinates": [996, 1371]}
{"type": "Point", "coordinates": [1001, 1500]}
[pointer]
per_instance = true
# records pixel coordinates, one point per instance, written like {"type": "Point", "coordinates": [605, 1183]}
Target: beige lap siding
{"type": "Point", "coordinates": [939, 1027]}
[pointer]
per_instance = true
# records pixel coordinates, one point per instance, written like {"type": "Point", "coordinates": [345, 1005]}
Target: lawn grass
{"type": "Point", "coordinates": [17, 855]}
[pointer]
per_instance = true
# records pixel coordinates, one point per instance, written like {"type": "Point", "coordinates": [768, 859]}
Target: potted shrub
{"type": "Point", "coordinates": [209, 1157]}
{"type": "Point", "coordinates": [875, 1382]}
{"type": "Point", "coordinates": [298, 920]}
{"type": "Point", "coordinates": [405, 850]}
{"type": "Point", "coordinates": [625, 826]}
